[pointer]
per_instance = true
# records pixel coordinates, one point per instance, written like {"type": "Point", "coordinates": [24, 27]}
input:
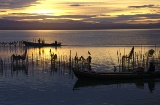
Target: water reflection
{"type": "Point", "coordinates": [31, 71]}
{"type": "Point", "coordinates": [141, 83]}
{"type": "Point", "coordinates": [104, 59]}
{"type": "Point", "coordinates": [15, 69]}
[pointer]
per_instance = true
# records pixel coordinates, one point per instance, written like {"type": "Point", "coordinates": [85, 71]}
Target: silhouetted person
{"type": "Point", "coordinates": [55, 42]}
{"type": "Point", "coordinates": [89, 59]}
{"type": "Point", "coordinates": [39, 40]}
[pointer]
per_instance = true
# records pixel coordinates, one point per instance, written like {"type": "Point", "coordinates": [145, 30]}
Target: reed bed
{"type": "Point", "coordinates": [40, 60]}
{"type": "Point", "coordinates": [139, 59]}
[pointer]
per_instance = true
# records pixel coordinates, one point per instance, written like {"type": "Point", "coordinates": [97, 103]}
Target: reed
{"type": "Point", "coordinates": [42, 60]}
{"type": "Point", "coordinates": [140, 60]}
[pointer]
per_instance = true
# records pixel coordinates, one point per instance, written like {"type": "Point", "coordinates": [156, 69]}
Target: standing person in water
{"type": "Point", "coordinates": [39, 40]}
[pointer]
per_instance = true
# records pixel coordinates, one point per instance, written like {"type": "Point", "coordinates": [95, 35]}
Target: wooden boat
{"type": "Point", "coordinates": [32, 44]}
{"type": "Point", "coordinates": [81, 74]}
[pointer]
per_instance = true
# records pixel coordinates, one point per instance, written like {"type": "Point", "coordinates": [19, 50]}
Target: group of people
{"type": "Point", "coordinates": [41, 41]}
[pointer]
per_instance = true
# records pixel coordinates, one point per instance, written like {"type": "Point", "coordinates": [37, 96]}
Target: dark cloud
{"type": "Point", "coordinates": [125, 18]}
{"type": "Point", "coordinates": [117, 10]}
{"type": "Point", "coordinates": [22, 16]}
{"type": "Point", "coordinates": [143, 6]}
{"type": "Point", "coordinates": [76, 5]}
{"type": "Point", "coordinates": [101, 18]}
{"type": "Point", "coordinates": [14, 4]}
{"type": "Point", "coordinates": [138, 16]}
{"type": "Point", "coordinates": [76, 16]}
{"type": "Point", "coordinates": [3, 11]}
{"type": "Point", "coordinates": [149, 16]}
{"type": "Point", "coordinates": [82, 3]}
{"type": "Point", "coordinates": [104, 15]}
{"type": "Point", "coordinates": [155, 11]}
{"type": "Point", "coordinates": [136, 12]}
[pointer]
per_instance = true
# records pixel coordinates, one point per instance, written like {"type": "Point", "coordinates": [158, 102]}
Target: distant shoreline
{"type": "Point", "coordinates": [24, 25]}
{"type": "Point", "coordinates": [89, 29]}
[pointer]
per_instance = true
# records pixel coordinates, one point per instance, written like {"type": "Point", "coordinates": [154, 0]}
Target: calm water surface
{"type": "Point", "coordinates": [36, 83]}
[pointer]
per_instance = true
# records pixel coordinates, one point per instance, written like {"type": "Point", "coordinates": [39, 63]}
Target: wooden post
{"type": "Point", "coordinates": [133, 60]}
{"type": "Point", "coordinates": [70, 59]}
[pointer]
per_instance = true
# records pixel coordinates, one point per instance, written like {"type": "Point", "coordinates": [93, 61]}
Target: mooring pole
{"type": "Point", "coordinates": [70, 59]}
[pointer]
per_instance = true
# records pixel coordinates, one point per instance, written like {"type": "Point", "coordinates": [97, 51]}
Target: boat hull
{"type": "Point", "coordinates": [31, 44]}
{"type": "Point", "coordinates": [115, 75]}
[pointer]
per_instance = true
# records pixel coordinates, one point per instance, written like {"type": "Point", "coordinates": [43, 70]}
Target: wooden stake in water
{"type": "Point", "coordinates": [70, 59]}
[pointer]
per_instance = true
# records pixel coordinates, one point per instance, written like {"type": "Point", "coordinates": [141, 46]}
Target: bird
{"type": "Point", "coordinates": [89, 53]}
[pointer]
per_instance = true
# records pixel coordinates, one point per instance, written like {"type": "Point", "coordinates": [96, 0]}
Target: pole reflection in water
{"type": "Point", "coordinates": [80, 84]}
{"type": "Point", "coordinates": [36, 60]}
{"type": "Point", "coordinates": [15, 69]}
{"type": "Point", "coordinates": [42, 61]}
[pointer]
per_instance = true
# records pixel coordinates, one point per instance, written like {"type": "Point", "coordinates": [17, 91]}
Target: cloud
{"type": "Point", "coordinates": [101, 18]}
{"type": "Point", "coordinates": [3, 11]}
{"type": "Point", "coordinates": [126, 18]}
{"type": "Point", "coordinates": [14, 4]}
{"type": "Point", "coordinates": [35, 16]}
{"type": "Point", "coordinates": [144, 6]}
{"type": "Point", "coordinates": [76, 5]}
{"type": "Point", "coordinates": [138, 16]}
{"type": "Point", "coordinates": [117, 10]}
{"type": "Point", "coordinates": [149, 16]}
{"type": "Point", "coordinates": [104, 15]}
{"type": "Point", "coordinates": [136, 12]}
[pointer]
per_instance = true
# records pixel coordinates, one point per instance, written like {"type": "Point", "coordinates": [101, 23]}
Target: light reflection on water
{"type": "Point", "coordinates": [36, 83]}
{"type": "Point", "coordinates": [103, 58]}
{"type": "Point", "coordinates": [87, 37]}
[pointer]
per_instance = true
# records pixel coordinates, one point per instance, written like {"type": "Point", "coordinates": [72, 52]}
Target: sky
{"type": "Point", "coordinates": [91, 11]}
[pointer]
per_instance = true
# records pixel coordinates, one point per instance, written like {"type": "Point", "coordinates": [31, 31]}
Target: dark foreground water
{"type": "Point", "coordinates": [37, 83]}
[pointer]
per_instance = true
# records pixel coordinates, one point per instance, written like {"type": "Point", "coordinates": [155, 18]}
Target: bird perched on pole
{"type": "Point", "coordinates": [89, 53]}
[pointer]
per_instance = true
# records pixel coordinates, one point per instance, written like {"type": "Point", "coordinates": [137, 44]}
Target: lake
{"type": "Point", "coordinates": [36, 82]}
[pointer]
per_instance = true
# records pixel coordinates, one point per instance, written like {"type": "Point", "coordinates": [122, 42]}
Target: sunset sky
{"type": "Point", "coordinates": [93, 11]}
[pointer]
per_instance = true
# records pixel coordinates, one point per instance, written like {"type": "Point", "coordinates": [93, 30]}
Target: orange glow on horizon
{"type": "Point", "coordinates": [71, 10]}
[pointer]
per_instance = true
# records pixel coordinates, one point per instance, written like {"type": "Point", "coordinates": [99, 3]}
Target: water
{"type": "Point", "coordinates": [36, 83]}
{"type": "Point", "coordinates": [87, 37]}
